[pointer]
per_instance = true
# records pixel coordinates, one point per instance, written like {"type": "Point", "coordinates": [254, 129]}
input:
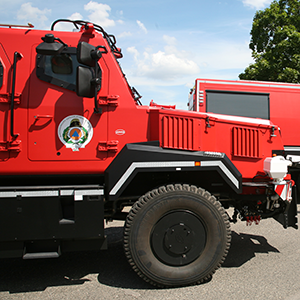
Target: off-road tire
{"type": "Point", "coordinates": [176, 235]}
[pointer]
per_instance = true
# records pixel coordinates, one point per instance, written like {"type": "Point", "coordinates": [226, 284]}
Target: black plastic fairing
{"type": "Point", "coordinates": [142, 163]}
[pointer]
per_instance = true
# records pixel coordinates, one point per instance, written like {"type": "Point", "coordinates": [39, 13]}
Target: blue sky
{"type": "Point", "coordinates": [166, 44]}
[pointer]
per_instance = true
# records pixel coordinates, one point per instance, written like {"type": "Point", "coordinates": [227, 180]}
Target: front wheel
{"type": "Point", "coordinates": [176, 235]}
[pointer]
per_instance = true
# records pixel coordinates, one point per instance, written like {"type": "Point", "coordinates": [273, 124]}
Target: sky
{"type": "Point", "coordinates": [166, 44]}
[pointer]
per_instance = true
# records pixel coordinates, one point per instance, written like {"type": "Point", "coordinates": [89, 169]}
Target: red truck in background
{"type": "Point", "coordinates": [274, 101]}
{"type": "Point", "coordinates": [77, 147]}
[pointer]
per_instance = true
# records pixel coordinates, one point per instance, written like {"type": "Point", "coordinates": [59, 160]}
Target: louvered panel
{"type": "Point", "coordinates": [245, 142]}
{"type": "Point", "coordinates": [178, 133]}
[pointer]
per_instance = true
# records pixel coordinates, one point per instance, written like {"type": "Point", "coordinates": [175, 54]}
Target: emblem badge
{"type": "Point", "coordinates": [120, 132]}
{"type": "Point", "coordinates": [75, 132]}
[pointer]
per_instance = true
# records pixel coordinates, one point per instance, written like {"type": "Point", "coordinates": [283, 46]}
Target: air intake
{"type": "Point", "coordinates": [245, 142]}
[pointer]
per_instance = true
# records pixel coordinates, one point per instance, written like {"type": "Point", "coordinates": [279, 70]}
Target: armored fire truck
{"type": "Point", "coordinates": [77, 147]}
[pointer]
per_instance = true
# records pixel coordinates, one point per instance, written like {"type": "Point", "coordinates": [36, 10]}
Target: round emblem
{"type": "Point", "coordinates": [75, 132]}
{"type": "Point", "coordinates": [120, 132]}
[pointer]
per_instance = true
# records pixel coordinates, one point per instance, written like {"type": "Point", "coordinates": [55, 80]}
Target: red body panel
{"type": "Point", "coordinates": [246, 144]}
{"type": "Point", "coordinates": [44, 113]}
{"type": "Point", "coordinates": [284, 99]}
{"type": "Point", "coordinates": [42, 106]}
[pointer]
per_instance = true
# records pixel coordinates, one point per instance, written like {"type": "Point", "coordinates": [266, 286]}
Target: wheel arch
{"type": "Point", "coordinates": [141, 167]}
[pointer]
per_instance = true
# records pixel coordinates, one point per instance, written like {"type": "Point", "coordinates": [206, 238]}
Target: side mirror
{"type": "Point", "coordinates": [88, 80]}
{"type": "Point", "coordinates": [84, 79]}
{"type": "Point", "coordinates": [87, 54]}
{"type": "Point", "coordinates": [50, 46]}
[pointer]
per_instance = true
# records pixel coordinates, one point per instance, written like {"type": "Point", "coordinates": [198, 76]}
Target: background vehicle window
{"type": "Point", "coordinates": [238, 104]}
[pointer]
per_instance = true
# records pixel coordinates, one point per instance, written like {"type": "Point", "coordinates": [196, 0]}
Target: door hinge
{"type": "Point", "coordinates": [6, 98]}
{"type": "Point", "coordinates": [108, 146]}
{"type": "Point", "coordinates": [14, 146]}
{"type": "Point", "coordinates": [112, 100]}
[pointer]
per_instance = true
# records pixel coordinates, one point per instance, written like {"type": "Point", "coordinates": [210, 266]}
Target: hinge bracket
{"type": "Point", "coordinates": [13, 146]}
{"type": "Point", "coordinates": [108, 146]}
{"type": "Point", "coordinates": [111, 100]}
{"type": "Point", "coordinates": [6, 98]}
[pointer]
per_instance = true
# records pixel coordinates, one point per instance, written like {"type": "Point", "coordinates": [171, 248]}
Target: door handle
{"type": "Point", "coordinates": [37, 117]}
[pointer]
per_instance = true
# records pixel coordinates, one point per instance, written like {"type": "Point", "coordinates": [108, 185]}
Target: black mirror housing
{"type": "Point", "coordinates": [87, 54]}
{"type": "Point", "coordinates": [84, 85]}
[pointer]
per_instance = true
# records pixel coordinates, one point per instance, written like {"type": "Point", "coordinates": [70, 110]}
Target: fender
{"type": "Point", "coordinates": [149, 157]}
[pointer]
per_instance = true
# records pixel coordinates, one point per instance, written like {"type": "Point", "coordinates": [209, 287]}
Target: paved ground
{"type": "Point", "coordinates": [263, 263]}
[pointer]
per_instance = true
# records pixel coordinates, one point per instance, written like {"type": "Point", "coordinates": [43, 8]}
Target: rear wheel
{"type": "Point", "coordinates": [176, 235]}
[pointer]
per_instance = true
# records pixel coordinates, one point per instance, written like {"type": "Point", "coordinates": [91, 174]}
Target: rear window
{"type": "Point", "coordinates": [250, 105]}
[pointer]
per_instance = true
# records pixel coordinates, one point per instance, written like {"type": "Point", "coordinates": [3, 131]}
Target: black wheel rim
{"type": "Point", "coordinates": [178, 238]}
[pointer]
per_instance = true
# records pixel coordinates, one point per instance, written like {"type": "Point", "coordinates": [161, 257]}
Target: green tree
{"type": "Point", "coordinates": [275, 43]}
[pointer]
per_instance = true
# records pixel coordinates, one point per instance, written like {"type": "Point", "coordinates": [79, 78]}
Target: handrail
{"type": "Point", "coordinates": [17, 55]}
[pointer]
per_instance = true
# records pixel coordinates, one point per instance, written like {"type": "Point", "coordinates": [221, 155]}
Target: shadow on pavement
{"type": "Point", "coordinates": [111, 266]}
{"type": "Point", "coordinates": [244, 247]}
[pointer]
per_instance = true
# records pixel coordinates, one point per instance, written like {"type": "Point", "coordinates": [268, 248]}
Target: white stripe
{"type": "Point", "coordinates": [9, 194]}
{"type": "Point", "coordinates": [175, 164]}
{"type": "Point", "coordinates": [158, 164]}
{"type": "Point", "coordinates": [240, 119]}
{"type": "Point", "coordinates": [292, 148]}
{"type": "Point", "coordinates": [197, 97]}
{"type": "Point", "coordinates": [67, 192]}
{"type": "Point", "coordinates": [50, 193]}
{"type": "Point", "coordinates": [78, 194]}
{"type": "Point", "coordinates": [225, 170]}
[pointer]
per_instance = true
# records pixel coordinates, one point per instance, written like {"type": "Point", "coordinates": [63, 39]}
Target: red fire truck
{"type": "Point", "coordinates": [272, 101]}
{"type": "Point", "coordinates": [77, 147]}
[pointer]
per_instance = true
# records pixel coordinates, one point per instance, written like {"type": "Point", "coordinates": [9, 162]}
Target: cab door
{"type": "Point", "coordinates": [62, 125]}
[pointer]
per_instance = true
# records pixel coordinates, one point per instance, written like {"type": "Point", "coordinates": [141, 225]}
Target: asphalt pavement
{"type": "Point", "coordinates": [263, 263]}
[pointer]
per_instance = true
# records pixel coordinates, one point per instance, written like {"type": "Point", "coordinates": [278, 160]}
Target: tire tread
{"type": "Point", "coordinates": [143, 200]}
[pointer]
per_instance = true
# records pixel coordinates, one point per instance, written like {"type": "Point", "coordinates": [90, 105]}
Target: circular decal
{"type": "Point", "coordinates": [75, 132]}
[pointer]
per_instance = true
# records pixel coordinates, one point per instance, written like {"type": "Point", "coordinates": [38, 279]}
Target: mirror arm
{"type": "Point", "coordinates": [96, 81]}
{"type": "Point", "coordinates": [97, 110]}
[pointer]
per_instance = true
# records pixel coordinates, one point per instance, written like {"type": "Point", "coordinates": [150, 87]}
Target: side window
{"type": "Point", "coordinates": [59, 70]}
{"type": "Point", "coordinates": [1, 74]}
{"type": "Point", "coordinates": [252, 105]}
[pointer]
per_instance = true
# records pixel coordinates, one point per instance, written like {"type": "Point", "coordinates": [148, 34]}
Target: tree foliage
{"type": "Point", "coordinates": [275, 43]}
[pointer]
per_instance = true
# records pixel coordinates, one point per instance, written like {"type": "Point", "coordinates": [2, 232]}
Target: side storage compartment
{"type": "Point", "coordinates": [43, 223]}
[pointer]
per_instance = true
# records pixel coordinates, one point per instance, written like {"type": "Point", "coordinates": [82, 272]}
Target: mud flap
{"type": "Point", "coordinates": [289, 217]}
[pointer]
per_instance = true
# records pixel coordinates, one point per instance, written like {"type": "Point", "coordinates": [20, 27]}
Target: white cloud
{"type": "Point", "coordinates": [169, 64]}
{"type": "Point", "coordinates": [142, 26]}
{"type": "Point", "coordinates": [99, 14]}
{"type": "Point", "coordinates": [257, 4]}
{"type": "Point", "coordinates": [221, 59]}
{"type": "Point", "coordinates": [170, 40]}
{"type": "Point", "coordinates": [34, 15]}
{"type": "Point", "coordinates": [134, 52]}
{"type": "Point", "coordinates": [75, 16]}
{"type": "Point", "coordinates": [124, 34]}
{"type": "Point", "coordinates": [64, 26]}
